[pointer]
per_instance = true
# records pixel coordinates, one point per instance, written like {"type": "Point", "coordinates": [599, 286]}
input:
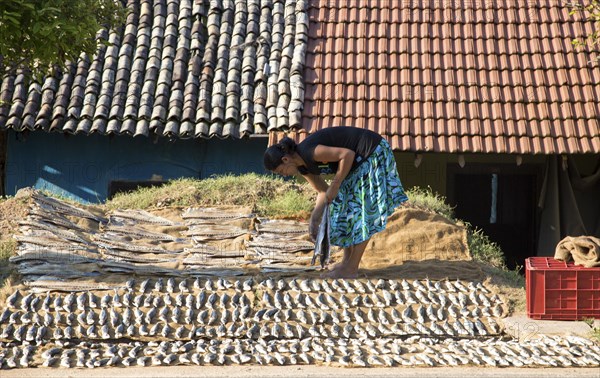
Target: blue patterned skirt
{"type": "Point", "coordinates": [366, 198]}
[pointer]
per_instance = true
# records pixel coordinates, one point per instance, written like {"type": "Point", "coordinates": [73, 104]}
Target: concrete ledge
{"type": "Point", "coordinates": [523, 328]}
{"type": "Point", "coordinates": [299, 371]}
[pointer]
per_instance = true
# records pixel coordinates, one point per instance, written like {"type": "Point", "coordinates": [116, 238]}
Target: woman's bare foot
{"type": "Point", "coordinates": [340, 271]}
{"type": "Point", "coordinates": [332, 266]}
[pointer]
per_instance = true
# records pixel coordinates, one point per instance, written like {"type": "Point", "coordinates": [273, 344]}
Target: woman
{"type": "Point", "coordinates": [363, 193]}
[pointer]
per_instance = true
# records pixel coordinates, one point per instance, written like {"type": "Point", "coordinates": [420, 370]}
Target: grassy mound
{"type": "Point", "coordinates": [268, 195]}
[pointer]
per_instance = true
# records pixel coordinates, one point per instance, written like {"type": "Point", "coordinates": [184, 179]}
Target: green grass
{"type": "Point", "coordinates": [7, 249]}
{"type": "Point", "coordinates": [266, 195]}
{"type": "Point", "coordinates": [595, 332]}
{"type": "Point", "coordinates": [291, 204]}
{"type": "Point", "coordinates": [425, 198]}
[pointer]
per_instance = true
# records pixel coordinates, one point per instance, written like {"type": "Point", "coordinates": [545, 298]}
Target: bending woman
{"type": "Point", "coordinates": [365, 190]}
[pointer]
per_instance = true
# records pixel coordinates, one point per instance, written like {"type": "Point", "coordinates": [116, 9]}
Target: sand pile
{"type": "Point", "coordinates": [418, 244]}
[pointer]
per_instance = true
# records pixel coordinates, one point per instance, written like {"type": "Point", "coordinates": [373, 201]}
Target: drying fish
{"type": "Point", "coordinates": [134, 257]}
{"type": "Point", "coordinates": [55, 231]}
{"type": "Point", "coordinates": [212, 231]}
{"type": "Point", "coordinates": [141, 216]}
{"type": "Point", "coordinates": [202, 256]}
{"type": "Point", "coordinates": [11, 301]}
{"type": "Point", "coordinates": [280, 245]}
{"type": "Point", "coordinates": [47, 241]}
{"type": "Point", "coordinates": [63, 207]}
{"type": "Point", "coordinates": [281, 227]}
{"type": "Point", "coordinates": [322, 247]}
{"type": "Point", "coordinates": [50, 216]}
{"type": "Point", "coordinates": [208, 214]}
{"type": "Point", "coordinates": [139, 233]}
{"type": "Point", "coordinates": [107, 240]}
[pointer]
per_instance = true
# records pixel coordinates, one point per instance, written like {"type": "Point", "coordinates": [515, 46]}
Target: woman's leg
{"type": "Point", "coordinates": [348, 267]}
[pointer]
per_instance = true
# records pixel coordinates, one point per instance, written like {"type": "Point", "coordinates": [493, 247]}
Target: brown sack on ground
{"type": "Point", "coordinates": [415, 235]}
{"type": "Point", "coordinates": [583, 250]}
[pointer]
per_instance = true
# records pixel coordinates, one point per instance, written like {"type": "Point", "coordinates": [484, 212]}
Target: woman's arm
{"type": "Point", "coordinates": [345, 159]}
{"type": "Point", "coordinates": [321, 187]}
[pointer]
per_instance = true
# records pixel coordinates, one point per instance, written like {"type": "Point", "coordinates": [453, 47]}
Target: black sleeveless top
{"type": "Point", "coordinates": [362, 141]}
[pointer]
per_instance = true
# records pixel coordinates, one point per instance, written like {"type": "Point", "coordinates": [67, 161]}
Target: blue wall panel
{"type": "Point", "coordinates": [81, 167]}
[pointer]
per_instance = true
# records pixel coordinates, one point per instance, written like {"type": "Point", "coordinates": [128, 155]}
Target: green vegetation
{"type": "Point", "coordinates": [595, 332]}
{"type": "Point", "coordinates": [7, 249]}
{"type": "Point", "coordinates": [425, 198]}
{"type": "Point", "coordinates": [40, 34]}
{"type": "Point", "coordinates": [267, 195]}
{"type": "Point", "coordinates": [589, 10]}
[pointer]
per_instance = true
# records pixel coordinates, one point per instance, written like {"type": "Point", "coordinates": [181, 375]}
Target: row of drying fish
{"type": "Point", "coordinates": [83, 301]}
{"type": "Point", "coordinates": [167, 312]}
{"type": "Point", "coordinates": [413, 351]}
{"type": "Point", "coordinates": [307, 285]}
{"type": "Point", "coordinates": [85, 327]}
{"type": "Point", "coordinates": [280, 299]}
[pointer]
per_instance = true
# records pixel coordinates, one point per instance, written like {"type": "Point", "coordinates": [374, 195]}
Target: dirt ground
{"type": "Point", "coordinates": [11, 211]}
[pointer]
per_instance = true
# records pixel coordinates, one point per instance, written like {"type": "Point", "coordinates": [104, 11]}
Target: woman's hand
{"type": "Point", "coordinates": [317, 215]}
{"type": "Point", "coordinates": [313, 229]}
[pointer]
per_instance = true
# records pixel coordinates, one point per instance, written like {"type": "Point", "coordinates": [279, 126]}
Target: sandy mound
{"type": "Point", "coordinates": [418, 244]}
{"type": "Point", "coordinates": [413, 234]}
{"type": "Point", "coordinates": [12, 211]}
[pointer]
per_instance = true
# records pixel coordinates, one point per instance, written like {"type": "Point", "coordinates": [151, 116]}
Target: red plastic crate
{"type": "Point", "coordinates": [561, 291]}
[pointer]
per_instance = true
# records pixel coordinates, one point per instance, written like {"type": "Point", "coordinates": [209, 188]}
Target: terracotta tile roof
{"type": "Point", "coordinates": [178, 68]}
{"type": "Point", "coordinates": [453, 76]}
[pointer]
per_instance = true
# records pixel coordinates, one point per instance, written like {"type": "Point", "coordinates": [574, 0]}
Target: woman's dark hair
{"type": "Point", "coordinates": [274, 154]}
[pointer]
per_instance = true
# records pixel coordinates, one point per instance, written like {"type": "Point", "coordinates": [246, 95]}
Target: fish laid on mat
{"type": "Point", "coordinates": [53, 217]}
{"type": "Point", "coordinates": [42, 285]}
{"type": "Point", "coordinates": [138, 257]}
{"type": "Point", "coordinates": [54, 230]}
{"type": "Point", "coordinates": [265, 253]}
{"type": "Point", "coordinates": [142, 269]}
{"type": "Point", "coordinates": [106, 241]}
{"type": "Point", "coordinates": [44, 240]}
{"type": "Point", "coordinates": [142, 216]}
{"type": "Point", "coordinates": [202, 260]}
{"type": "Point", "coordinates": [212, 214]}
{"type": "Point", "coordinates": [215, 255]}
{"type": "Point", "coordinates": [281, 245]}
{"type": "Point", "coordinates": [322, 247]}
{"type": "Point", "coordinates": [281, 227]}
{"type": "Point", "coordinates": [211, 232]}
{"type": "Point", "coordinates": [139, 233]}
{"type": "Point", "coordinates": [62, 207]}
{"type": "Point", "coordinates": [285, 259]}
{"type": "Point", "coordinates": [54, 270]}
{"type": "Point", "coordinates": [53, 256]}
